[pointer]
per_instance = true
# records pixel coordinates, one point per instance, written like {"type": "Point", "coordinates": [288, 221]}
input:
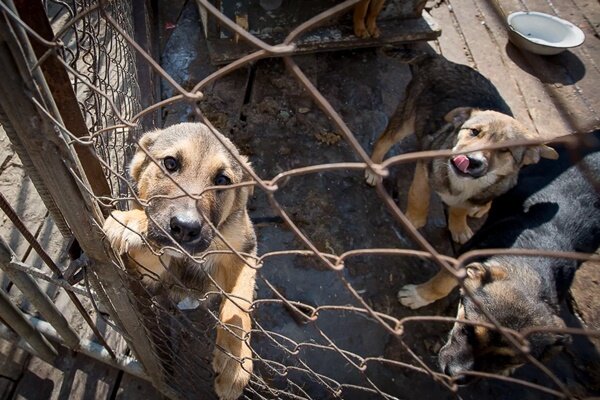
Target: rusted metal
{"type": "Point", "coordinates": [33, 14]}
{"type": "Point", "coordinates": [12, 215]}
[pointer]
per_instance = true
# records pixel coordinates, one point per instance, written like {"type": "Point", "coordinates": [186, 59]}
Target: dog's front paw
{"type": "Point", "coordinates": [371, 178]}
{"type": "Point", "coordinates": [409, 297]}
{"type": "Point", "coordinates": [232, 376]}
{"type": "Point", "coordinates": [124, 230]}
{"type": "Point", "coordinates": [461, 234]}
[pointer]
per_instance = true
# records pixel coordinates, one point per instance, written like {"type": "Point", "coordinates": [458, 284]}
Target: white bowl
{"type": "Point", "coordinates": [542, 33]}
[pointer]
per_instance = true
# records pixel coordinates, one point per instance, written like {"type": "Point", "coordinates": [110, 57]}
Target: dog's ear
{"type": "Point", "coordinates": [459, 116]}
{"type": "Point", "coordinates": [535, 153]}
{"type": "Point", "coordinates": [246, 174]}
{"type": "Point", "coordinates": [139, 159]}
{"type": "Point", "coordinates": [479, 274]}
{"type": "Point", "coordinates": [476, 271]}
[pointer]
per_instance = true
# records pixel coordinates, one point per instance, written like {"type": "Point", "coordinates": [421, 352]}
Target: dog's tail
{"type": "Point", "coordinates": [408, 56]}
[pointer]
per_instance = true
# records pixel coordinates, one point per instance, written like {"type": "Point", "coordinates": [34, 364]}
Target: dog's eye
{"type": "Point", "coordinates": [222, 180]}
{"type": "Point", "coordinates": [171, 164]}
{"type": "Point", "coordinates": [474, 132]}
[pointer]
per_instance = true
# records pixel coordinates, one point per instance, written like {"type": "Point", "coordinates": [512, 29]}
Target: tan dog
{"type": "Point", "coordinates": [365, 18]}
{"type": "Point", "coordinates": [191, 159]}
{"type": "Point", "coordinates": [451, 106]}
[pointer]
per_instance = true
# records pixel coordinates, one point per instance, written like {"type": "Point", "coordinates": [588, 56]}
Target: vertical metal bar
{"type": "Point", "coordinates": [17, 322]}
{"type": "Point", "coordinates": [37, 297]}
{"type": "Point", "coordinates": [146, 35]}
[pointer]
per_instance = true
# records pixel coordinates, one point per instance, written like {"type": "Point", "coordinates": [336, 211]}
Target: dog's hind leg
{"type": "Point", "coordinates": [360, 11]}
{"type": "Point", "coordinates": [479, 212]}
{"type": "Point", "coordinates": [418, 196]}
{"type": "Point", "coordinates": [374, 10]}
{"type": "Point", "coordinates": [438, 287]}
{"type": "Point", "coordinates": [398, 128]}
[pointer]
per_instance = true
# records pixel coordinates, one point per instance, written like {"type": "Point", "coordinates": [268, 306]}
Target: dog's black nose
{"type": "Point", "coordinates": [185, 230]}
{"type": "Point", "coordinates": [456, 373]}
{"type": "Point", "coordinates": [477, 166]}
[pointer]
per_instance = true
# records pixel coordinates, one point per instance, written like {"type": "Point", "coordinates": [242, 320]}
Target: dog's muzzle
{"type": "Point", "coordinates": [190, 231]}
{"type": "Point", "coordinates": [185, 230]}
{"type": "Point", "coordinates": [454, 363]}
{"type": "Point", "coordinates": [471, 165]}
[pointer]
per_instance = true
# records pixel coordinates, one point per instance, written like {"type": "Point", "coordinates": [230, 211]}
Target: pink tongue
{"type": "Point", "coordinates": [461, 162]}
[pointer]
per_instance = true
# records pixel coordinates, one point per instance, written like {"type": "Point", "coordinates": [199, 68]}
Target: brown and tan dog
{"type": "Point", "coordinates": [191, 159]}
{"type": "Point", "coordinates": [451, 106]}
{"type": "Point", "coordinates": [365, 18]}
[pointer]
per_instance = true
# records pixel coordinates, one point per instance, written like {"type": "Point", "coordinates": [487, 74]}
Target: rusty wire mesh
{"type": "Point", "coordinates": [101, 66]}
{"type": "Point", "coordinates": [94, 41]}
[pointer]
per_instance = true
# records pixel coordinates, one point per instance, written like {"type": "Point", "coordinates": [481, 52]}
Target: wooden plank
{"type": "Point", "coordinates": [223, 51]}
{"type": "Point", "coordinates": [77, 378]}
{"type": "Point", "coordinates": [583, 62]}
{"type": "Point", "coordinates": [568, 10]}
{"type": "Point", "coordinates": [486, 54]}
{"type": "Point", "coordinates": [49, 237]}
{"type": "Point", "coordinates": [584, 290]}
{"type": "Point", "coordinates": [560, 74]}
{"type": "Point", "coordinates": [591, 12]}
{"type": "Point", "coordinates": [13, 363]}
{"type": "Point", "coordinates": [540, 105]}
{"type": "Point", "coordinates": [451, 42]}
{"type": "Point", "coordinates": [39, 381]}
{"type": "Point", "coordinates": [114, 339]}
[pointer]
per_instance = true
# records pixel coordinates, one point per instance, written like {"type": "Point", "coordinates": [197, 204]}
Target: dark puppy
{"type": "Point", "coordinates": [452, 106]}
{"type": "Point", "coordinates": [553, 207]}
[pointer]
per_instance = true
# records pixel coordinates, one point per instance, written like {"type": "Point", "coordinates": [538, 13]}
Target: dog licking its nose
{"type": "Point", "coordinates": [470, 165]}
{"type": "Point", "coordinates": [462, 163]}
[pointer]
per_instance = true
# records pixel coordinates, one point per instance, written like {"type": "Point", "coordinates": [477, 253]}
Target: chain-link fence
{"type": "Point", "coordinates": [78, 156]}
